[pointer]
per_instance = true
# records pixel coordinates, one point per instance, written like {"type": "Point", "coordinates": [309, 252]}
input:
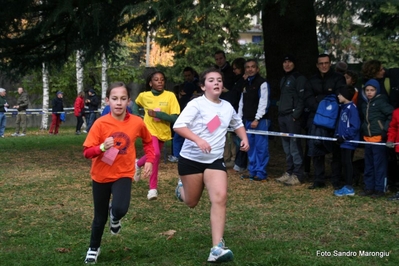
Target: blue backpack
{"type": "Point", "coordinates": [327, 112]}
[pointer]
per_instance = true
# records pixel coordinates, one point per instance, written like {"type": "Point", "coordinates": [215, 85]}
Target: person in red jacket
{"type": "Point", "coordinates": [110, 144]}
{"type": "Point", "coordinates": [393, 137]}
{"type": "Point", "coordinates": [79, 111]}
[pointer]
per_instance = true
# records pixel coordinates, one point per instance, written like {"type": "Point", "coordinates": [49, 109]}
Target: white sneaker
{"type": "Point", "coordinates": [84, 131]}
{"type": "Point", "coordinates": [92, 255]}
{"type": "Point", "coordinates": [22, 135]}
{"type": "Point", "coordinates": [220, 253]}
{"type": "Point", "coordinates": [137, 175]}
{"type": "Point", "coordinates": [178, 190]}
{"type": "Point", "coordinates": [15, 134]}
{"type": "Point", "coordinates": [152, 194]}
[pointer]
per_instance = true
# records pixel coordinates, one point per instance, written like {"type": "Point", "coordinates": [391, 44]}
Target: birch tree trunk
{"type": "Point", "coordinates": [79, 71]}
{"type": "Point", "coordinates": [45, 106]}
{"type": "Point", "coordinates": [104, 80]}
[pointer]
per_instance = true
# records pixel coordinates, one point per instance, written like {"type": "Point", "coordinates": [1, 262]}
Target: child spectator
{"type": "Point", "coordinates": [351, 78]}
{"type": "Point", "coordinates": [115, 133]}
{"type": "Point", "coordinates": [161, 109]}
{"type": "Point", "coordinates": [57, 108]}
{"type": "Point", "coordinates": [203, 123]}
{"type": "Point", "coordinates": [393, 137]}
{"type": "Point", "coordinates": [377, 115]}
{"type": "Point", "coordinates": [347, 129]}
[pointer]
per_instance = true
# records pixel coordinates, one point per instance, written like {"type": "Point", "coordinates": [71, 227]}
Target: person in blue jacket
{"type": "Point", "coordinates": [348, 128]}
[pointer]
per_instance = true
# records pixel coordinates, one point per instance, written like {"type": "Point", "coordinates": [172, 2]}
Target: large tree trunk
{"type": "Point", "coordinates": [289, 29]}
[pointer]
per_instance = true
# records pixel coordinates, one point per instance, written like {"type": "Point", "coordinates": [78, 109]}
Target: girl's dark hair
{"type": "Point", "coordinates": [353, 75]}
{"type": "Point", "coordinates": [371, 68]}
{"type": "Point", "coordinates": [117, 84]}
{"type": "Point", "coordinates": [206, 72]}
{"type": "Point", "coordinates": [149, 78]}
{"type": "Point", "coordinates": [239, 63]}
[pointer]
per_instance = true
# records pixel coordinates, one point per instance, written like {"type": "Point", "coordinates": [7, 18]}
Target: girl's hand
{"type": "Point", "coordinates": [204, 146]}
{"type": "Point", "coordinates": [108, 143]}
{"type": "Point", "coordinates": [151, 112]}
{"type": "Point", "coordinates": [147, 171]}
{"type": "Point", "coordinates": [244, 146]}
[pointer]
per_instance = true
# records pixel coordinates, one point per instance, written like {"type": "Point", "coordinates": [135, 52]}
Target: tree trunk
{"type": "Point", "coordinates": [79, 72]}
{"type": "Point", "coordinates": [104, 81]}
{"type": "Point", "coordinates": [44, 125]}
{"type": "Point", "coordinates": [289, 29]}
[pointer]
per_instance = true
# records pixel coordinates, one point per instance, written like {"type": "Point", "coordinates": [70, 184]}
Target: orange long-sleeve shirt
{"type": "Point", "coordinates": [125, 134]}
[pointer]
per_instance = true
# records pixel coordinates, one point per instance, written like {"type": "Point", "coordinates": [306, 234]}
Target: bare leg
{"type": "Point", "coordinates": [191, 192]}
{"type": "Point", "coordinates": [216, 183]}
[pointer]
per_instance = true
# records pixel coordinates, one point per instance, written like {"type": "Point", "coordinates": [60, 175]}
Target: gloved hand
{"type": "Point", "coordinates": [390, 144]}
{"type": "Point", "coordinates": [340, 140]}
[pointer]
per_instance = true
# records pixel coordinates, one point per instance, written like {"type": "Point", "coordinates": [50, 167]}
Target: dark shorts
{"type": "Point", "coordinates": [189, 167]}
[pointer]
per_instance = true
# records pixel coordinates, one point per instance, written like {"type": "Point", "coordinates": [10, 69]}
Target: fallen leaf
{"type": "Point", "coordinates": [63, 250]}
{"type": "Point", "coordinates": [169, 233]}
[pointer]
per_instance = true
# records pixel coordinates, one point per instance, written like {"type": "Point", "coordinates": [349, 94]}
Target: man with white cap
{"type": "Point", "coordinates": [3, 110]}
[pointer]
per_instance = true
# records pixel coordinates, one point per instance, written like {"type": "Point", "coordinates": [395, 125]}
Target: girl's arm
{"type": "Point", "coordinates": [242, 134]}
{"type": "Point", "coordinates": [94, 151]}
{"type": "Point", "coordinates": [136, 109]}
{"type": "Point", "coordinates": [188, 134]}
{"type": "Point", "coordinates": [164, 116]}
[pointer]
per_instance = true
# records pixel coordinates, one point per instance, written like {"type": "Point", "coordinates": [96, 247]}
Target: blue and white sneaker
{"type": "Point", "coordinates": [344, 191]}
{"type": "Point", "coordinates": [220, 253]}
{"type": "Point", "coordinates": [178, 190]}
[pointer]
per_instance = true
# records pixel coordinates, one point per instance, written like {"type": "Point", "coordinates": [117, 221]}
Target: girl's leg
{"type": "Point", "coordinates": [154, 175]}
{"type": "Point", "coordinates": [121, 190]}
{"type": "Point", "coordinates": [191, 192]}
{"type": "Point", "coordinates": [101, 195]}
{"type": "Point", "coordinates": [216, 184]}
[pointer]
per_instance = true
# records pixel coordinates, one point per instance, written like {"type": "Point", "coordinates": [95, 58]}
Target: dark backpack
{"type": "Point", "coordinates": [327, 112]}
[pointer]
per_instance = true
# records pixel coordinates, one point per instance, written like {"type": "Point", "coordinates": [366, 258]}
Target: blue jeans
{"type": "Point", "coordinates": [3, 120]}
{"type": "Point", "coordinates": [90, 121]}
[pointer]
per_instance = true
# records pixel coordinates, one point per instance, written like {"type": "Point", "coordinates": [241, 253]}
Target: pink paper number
{"type": "Point", "coordinates": [213, 124]}
{"type": "Point", "coordinates": [110, 155]}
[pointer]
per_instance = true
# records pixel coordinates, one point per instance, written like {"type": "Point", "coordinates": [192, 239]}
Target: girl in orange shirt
{"type": "Point", "coordinates": [111, 146]}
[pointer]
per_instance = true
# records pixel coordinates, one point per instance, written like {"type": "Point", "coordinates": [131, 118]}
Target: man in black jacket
{"type": "Point", "coordinates": [290, 110]}
{"type": "Point", "coordinates": [325, 82]}
{"type": "Point", "coordinates": [92, 102]}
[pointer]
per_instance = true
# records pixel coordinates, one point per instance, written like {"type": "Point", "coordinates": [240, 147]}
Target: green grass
{"type": "Point", "coordinates": [47, 211]}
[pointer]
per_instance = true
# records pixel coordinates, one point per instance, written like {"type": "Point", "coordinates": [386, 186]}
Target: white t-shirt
{"type": "Point", "coordinates": [196, 116]}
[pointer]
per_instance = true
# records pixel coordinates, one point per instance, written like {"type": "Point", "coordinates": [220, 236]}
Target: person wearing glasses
{"type": "Point", "coordinates": [326, 81]}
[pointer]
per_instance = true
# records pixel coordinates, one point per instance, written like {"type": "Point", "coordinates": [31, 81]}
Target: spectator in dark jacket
{"type": "Point", "coordinates": [290, 110]}
{"type": "Point", "coordinates": [325, 82]}
{"type": "Point", "coordinates": [378, 114]}
{"type": "Point", "coordinates": [92, 103]}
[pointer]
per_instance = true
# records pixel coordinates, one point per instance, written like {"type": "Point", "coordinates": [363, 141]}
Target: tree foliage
{"type": "Point", "coordinates": [51, 31]}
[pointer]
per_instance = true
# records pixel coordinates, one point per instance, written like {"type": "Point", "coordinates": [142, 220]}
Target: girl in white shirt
{"type": "Point", "coordinates": [203, 124]}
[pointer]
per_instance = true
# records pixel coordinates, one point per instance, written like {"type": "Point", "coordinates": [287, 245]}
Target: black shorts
{"type": "Point", "coordinates": [189, 167]}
